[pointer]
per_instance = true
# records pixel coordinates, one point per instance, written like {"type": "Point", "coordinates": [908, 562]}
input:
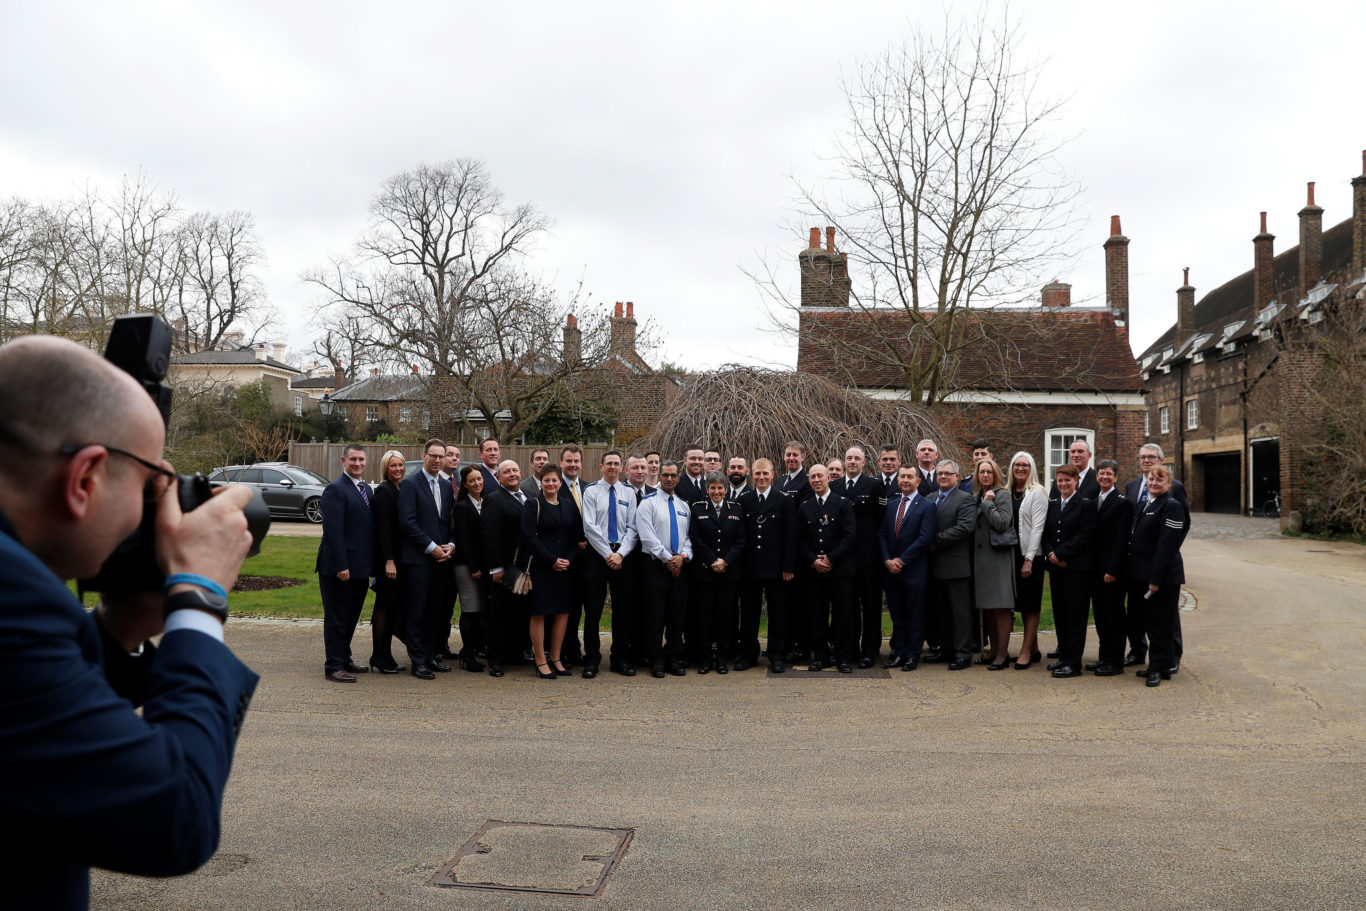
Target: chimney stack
{"type": "Point", "coordinates": [279, 351]}
{"type": "Point", "coordinates": [1057, 294]}
{"type": "Point", "coordinates": [338, 376]}
{"type": "Point", "coordinates": [260, 349]}
{"type": "Point", "coordinates": [1263, 268]}
{"type": "Point", "coordinates": [1359, 220]}
{"type": "Point", "coordinates": [825, 273]}
{"type": "Point", "coordinates": [1311, 244]}
{"type": "Point", "coordinates": [1117, 271]}
{"type": "Point", "coordinates": [1185, 310]}
{"type": "Point", "coordinates": [573, 341]}
{"type": "Point", "coordinates": [622, 336]}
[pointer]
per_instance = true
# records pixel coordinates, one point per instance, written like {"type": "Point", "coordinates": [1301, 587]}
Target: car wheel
{"type": "Point", "coordinates": [313, 510]}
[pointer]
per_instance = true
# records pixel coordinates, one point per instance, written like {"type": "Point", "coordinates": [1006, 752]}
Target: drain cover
{"type": "Point", "coordinates": [536, 857]}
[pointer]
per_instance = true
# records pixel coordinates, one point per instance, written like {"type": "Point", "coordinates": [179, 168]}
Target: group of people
{"type": "Point", "coordinates": [693, 552]}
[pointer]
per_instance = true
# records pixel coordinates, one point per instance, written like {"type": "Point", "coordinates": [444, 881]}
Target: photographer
{"type": "Point", "coordinates": [84, 780]}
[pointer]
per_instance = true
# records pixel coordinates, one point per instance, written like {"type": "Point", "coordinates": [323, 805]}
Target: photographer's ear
{"type": "Point", "coordinates": [81, 478]}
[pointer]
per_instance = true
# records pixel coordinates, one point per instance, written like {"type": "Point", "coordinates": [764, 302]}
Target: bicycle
{"type": "Point", "coordinates": [1271, 509]}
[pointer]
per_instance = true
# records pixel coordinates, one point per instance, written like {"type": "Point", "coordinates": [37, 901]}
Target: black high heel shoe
{"type": "Point", "coordinates": [470, 663]}
{"type": "Point", "coordinates": [560, 671]}
{"type": "Point", "coordinates": [993, 666]}
{"type": "Point", "coordinates": [549, 676]}
{"type": "Point", "coordinates": [1024, 667]}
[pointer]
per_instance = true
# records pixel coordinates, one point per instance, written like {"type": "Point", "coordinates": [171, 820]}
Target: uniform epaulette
{"type": "Point", "coordinates": [646, 496]}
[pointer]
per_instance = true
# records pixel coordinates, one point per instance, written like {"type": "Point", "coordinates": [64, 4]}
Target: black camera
{"type": "Point", "coordinates": [141, 346]}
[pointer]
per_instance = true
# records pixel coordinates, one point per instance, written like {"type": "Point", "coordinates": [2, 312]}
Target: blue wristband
{"type": "Point", "coordinates": [203, 582]}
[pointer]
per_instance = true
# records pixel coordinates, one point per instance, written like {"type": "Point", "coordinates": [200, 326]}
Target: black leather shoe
{"type": "Point", "coordinates": [1166, 675]}
{"type": "Point", "coordinates": [1107, 670]}
{"type": "Point", "coordinates": [1133, 660]}
{"type": "Point", "coordinates": [340, 677]}
{"type": "Point", "coordinates": [981, 659]}
{"type": "Point", "coordinates": [351, 668]}
{"type": "Point", "coordinates": [933, 658]}
{"type": "Point", "coordinates": [704, 666]}
{"type": "Point", "coordinates": [776, 665]}
{"type": "Point", "coordinates": [1173, 669]}
{"type": "Point", "coordinates": [960, 664]}
{"type": "Point", "coordinates": [999, 667]}
{"type": "Point", "coordinates": [1054, 654]}
{"type": "Point", "coordinates": [894, 661]}
{"type": "Point", "coordinates": [865, 663]}
{"type": "Point", "coordinates": [495, 670]}
{"type": "Point", "coordinates": [721, 666]}
{"type": "Point", "coordinates": [845, 667]}
{"type": "Point", "coordinates": [1054, 665]}
{"type": "Point", "coordinates": [678, 669]}
{"type": "Point", "coordinates": [471, 664]}
{"type": "Point", "coordinates": [439, 667]}
{"type": "Point", "coordinates": [910, 664]}
{"type": "Point", "coordinates": [1092, 665]}
{"type": "Point", "coordinates": [657, 672]}
{"type": "Point", "coordinates": [1155, 679]}
{"type": "Point", "coordinates": [815, 666]}
{"type": "Point", "coordinates": [590, 671]}
{"type": "Point", "coordinates": [1067, 670]}
{"type": "Point", "coordinates": [421, 672]}
{"type": "Point", "coordinates": [743, 665]}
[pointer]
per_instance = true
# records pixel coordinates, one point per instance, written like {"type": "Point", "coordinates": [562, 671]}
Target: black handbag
{"type": "Point", "coordinates": [1005, 540]}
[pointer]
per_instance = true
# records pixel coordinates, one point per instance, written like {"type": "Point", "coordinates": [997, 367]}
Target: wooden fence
{"type": "Point", "coordinates": [325, 458]}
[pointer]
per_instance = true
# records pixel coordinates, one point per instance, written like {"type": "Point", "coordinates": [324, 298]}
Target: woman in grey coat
{"type": "Point", "coordinates": [993, 567]}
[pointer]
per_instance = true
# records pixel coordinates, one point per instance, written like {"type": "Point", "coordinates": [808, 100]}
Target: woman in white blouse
{"type": "Point", "coordinates": [1029, 501]}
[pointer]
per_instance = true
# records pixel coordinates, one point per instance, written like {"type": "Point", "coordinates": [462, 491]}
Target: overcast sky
{"type": "Point", "coordinates": [662, 138]}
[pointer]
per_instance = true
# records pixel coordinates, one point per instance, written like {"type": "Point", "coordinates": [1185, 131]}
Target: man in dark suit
{"type": "Point", "coordinates": [1136, 491]}
{"type": "Point", "coordinates": [692, 486]}
{"type": "Point", "coordinates": [904, 541]}
{"type": "Point", "coordinates": [343, 564]}
{"type": "Point", "coordinates": [926, 458]}
{"type": "Point", "coordinates": [826, 532]}
{"type": "Point", "coordinates": [490, 454]}
{"type": "Point", "coordinates": [84, 779]}
{"type": "Point", "coordinates": [737, 472]}
{"type": "Point", "coordinates": [949, 617]}
{"type": "Point", "coordinates": [769, 566]}
{"type": "Point", "coordinates": [1114, 521]}
{"type": "Point", "coordinates": [863, 492]}
{"type": "Point", "coordinates": [571, 469]}
{"type": "Point", "coordinates": [1079, 457]}
{"type": "Point", "coordinates": [425, 502]}
{"type": "Point", "coordinates": [1068, 532]}
{"type": "Point", "coordinates": [794, 483]}
{"type": "Point", "coordinates": [501, 523]}
{"type": "Point", "coordinates": [889, 461]}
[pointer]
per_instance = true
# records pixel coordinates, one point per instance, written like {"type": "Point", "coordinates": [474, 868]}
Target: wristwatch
{"type": "Point", "coordinates": [198, 599]}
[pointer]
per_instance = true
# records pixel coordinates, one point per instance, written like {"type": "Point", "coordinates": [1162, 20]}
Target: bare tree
{"type": "Point", "coordinates": [951, 199]}
{"type": "Point", "coordinates": [439, 283]}
{"type": "Point", "coordinates": [217, 257]}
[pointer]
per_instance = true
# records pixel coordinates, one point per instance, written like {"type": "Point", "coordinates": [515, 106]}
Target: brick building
{"type": "Point", "coordinates": [1033, 379]}
{"type": "Point", "coordinates": [1225, 395]}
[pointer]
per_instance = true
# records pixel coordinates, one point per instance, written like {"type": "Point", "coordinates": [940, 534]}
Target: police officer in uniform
{"type": "Point", "coordinates": [718, 540]}
{"type": "Point", "coordinates": [825, 544]}
{"type": "Point", "coordinates": [769, 563]}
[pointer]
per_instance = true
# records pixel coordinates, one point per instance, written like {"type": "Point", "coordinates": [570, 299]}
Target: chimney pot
{"type": "Point", "coordinates": [830, 240]}
{"type": "Point", "coordinates": [630, 310]}
{"type": "Point", "coordinates": [815, 242]}
{"type": "Point", "coordinates": [415, 370]}
{"type": "Point", "coordinates": [1263, 222]}
{"type": "Point", "coordinates": [374, 371]}
{"type": "Point", "coordinates": [1186, 276]}
{"type": "Point", "coordinates": [618, 310]}
{"type": "Point", "coordinates": [572, 321]}
{"type": "Point", "coordinates": [1311, 192]}
{"type": "Point", "coordinates": [1114, 226]}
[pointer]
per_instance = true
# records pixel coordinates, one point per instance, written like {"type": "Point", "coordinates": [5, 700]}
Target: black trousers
{"type": "Point", "coordinates": [906, 603]}
{"type": "Point", "coordinates": [1136, 620]}
{"type": "Point", "coordinates": [831, 617]}
{"type": "Point", "coordinates": [441, 620]}
{"type": "Point", "coordinates": [666, 608]}
{"type": "Point", "coordinates": [753, 593]}
{"type": "Point", "coordinates": [949, 618]}
{"type": "Point", "coordinates": [1163, 616]}
{"type": "Point", "coordinates": [622, 584]}
{"type": "Point", "coordinates": [1107, 604]}
{"type": "Point", "coordinates": [868, 596]}
{"type": "Point", "coordinates": [426, 599]}
{"type": "Point", "coordinates": [1071, 604]}
{"type": "Point", "coordinates": [798, 627]}
{"type": "Point", "coordinates": [714, 597]}
{"type": "Point", "coordinates": [342, 603]}
{"type": "Point", "coordinates": [505, 623]}
{"type": "Point", "coordinates": [572, 649]}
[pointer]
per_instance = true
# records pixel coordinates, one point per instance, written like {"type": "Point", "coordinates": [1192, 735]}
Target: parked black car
{"type": "Point", "coordinates": [287, 489]}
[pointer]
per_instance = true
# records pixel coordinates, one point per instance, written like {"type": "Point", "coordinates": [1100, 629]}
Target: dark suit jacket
{"type": "Point", "coordinates": [348, 531]}
{"type": "Point", "coordinates": [387, 534]}
{"type": "Point", "coordinates": [929, 487]}
{"type": "Point", "coordinates": [714, 540]}
{"type": "Point", "coordinates": [689, 492]}
{"type": "Point", "coordinates": [798, 488]}
{"type": "Point", "coordinates": [86, 781]}
{"type": "Point", "coordinates": [867, 516]}
{"type": "Point", "coordinates": [418, 517]}
{"type": "Point", "coordinates": [770, 535]}
{"type": "Point", "coordinates": [1177, 493]}
{"type": "Point", "coordinates": [1155, 545]}
{"type": "Point", "coordinates": [954, 524]}
{"type": "Point", "coordinates": [468, 536]}
{"type": "Point", "coordinates": [1114, 520]}
{"type": "Point", "coordinates": [490, 478]}
{"type": "Point", "coordinates": [828, 530]}
{"type": "Point", "coordinates": [731, 495]}
{"type": "Point", "coordinates": [912, 545]}
{"type": "Point", "coordinates": [1069, 533]}
{"type": "Point", "coordinates": [1088, 488]}
{"type": "Point", "coordinates": [501, 524]}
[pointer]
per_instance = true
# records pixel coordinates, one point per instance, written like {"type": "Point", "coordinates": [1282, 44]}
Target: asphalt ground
{"type": "Point", "coordinates": [1238, 784]}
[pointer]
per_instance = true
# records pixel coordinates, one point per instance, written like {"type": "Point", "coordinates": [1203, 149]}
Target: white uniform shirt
{"type": "Point", "coordinates": [595, 503]}
{"type": "Point", "coordinates": [652, 522]}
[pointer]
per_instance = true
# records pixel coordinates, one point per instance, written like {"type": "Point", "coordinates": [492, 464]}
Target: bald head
{"type": "Point", "coordinates": [53, 392]}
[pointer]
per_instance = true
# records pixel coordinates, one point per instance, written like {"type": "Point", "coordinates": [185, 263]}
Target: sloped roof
{"type": "Point", "coordinates": [1062, 349]}
{"type": "Point", "coordinates": [407, 387]}
{"type": "Point", "coordinates": [1231, 302]}
{"type": "Point", "coordinates": [243, 356]}
{"type": "Point", "coordinates": [313, 382]}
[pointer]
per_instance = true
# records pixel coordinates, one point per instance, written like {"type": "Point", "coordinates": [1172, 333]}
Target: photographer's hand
{"type": "Point", "coordinates": [211, 541]}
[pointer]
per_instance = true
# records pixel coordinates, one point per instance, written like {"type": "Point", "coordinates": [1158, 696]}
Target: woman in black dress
{"type": "Point", "coordinates": [551, 530]}
{"type": "Point", "coordinates": [469, 581]}
{"type": "Point", "coordinates": [1156, 569]}
{"type": "Point", "coordinates": [388, 586]}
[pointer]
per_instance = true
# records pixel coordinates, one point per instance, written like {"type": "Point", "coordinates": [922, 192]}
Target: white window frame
{"type": "Point", "coordinates": [372, 413]}
{"type": "Point", "coordinates": [1065, 436]}
{"type": "Point", "coordinates": [298, 406]}
{"type": "Point", "coordinates": [1192, 414]}
{"type": "Point", "coordinates": [1164, 419]}
{"type": "Point", "coordinates": [405, 414]}
{"type": "Point", "coordinates": [1147, 423]}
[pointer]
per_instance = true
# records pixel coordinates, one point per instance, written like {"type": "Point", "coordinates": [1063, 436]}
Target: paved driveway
{"type": "Point", "coordinates": [1236, 785]}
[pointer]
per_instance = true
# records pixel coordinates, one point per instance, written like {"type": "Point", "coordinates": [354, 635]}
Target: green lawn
{"type": "Point", "coordinates": [293, 558]}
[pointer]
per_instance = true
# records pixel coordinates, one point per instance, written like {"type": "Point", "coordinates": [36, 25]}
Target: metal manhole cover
{"type": "Point", "coordinates": [536, 857]}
